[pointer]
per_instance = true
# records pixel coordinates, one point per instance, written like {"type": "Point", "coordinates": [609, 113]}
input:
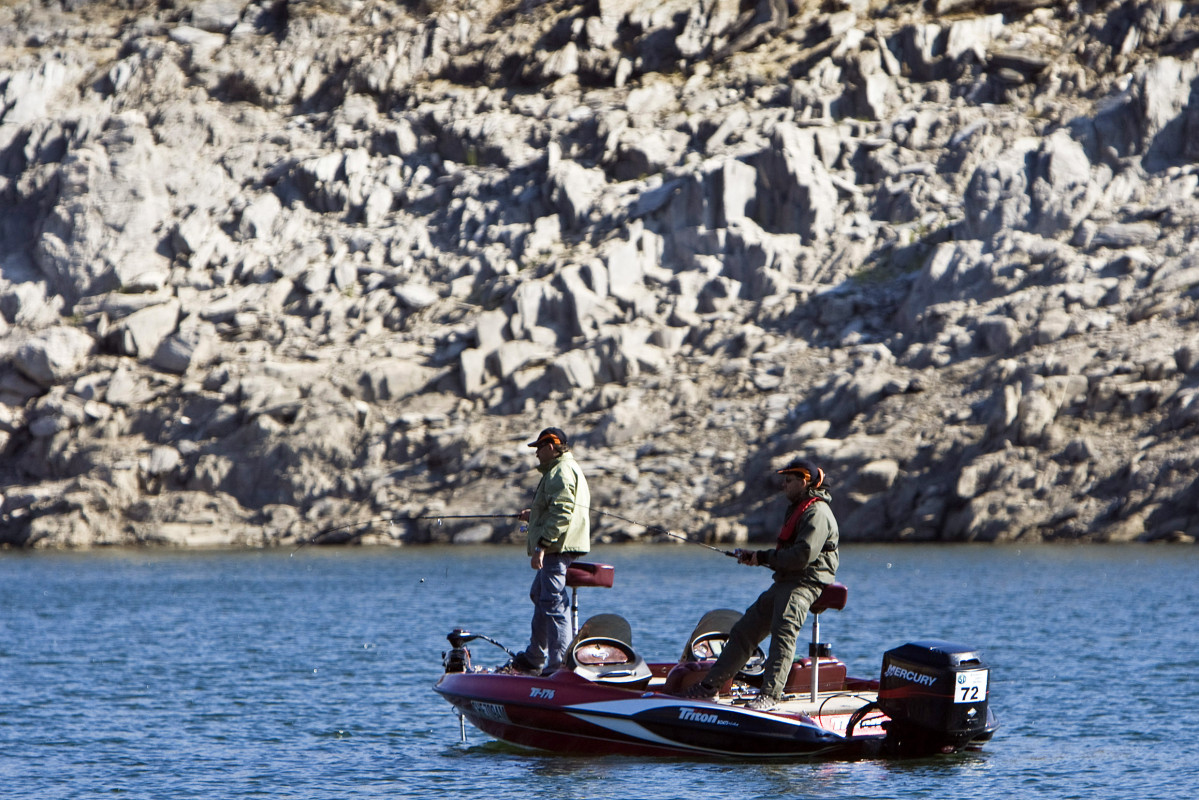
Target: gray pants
{"type": "Point", "coordinates": [551, 633]}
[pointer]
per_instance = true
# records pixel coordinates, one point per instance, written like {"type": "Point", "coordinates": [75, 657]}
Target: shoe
{"type": "Point", "coordinates": [763, 702]}
{"type": "Point", "coordinates": [519, 665]}
{"type": "Point", "coordinates": [699, 691]}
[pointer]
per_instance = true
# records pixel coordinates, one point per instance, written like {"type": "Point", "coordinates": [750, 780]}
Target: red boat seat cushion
{"type": "Point", "coordinates": [600, 653]}
{"type": "Point", "coordinates": [833, 596]}
{"type": "Point", "coordinates": [585, 573]}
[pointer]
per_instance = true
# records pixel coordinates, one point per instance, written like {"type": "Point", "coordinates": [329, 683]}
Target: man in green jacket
{"type": "Point", "coordinates": [804, 561]}
{"type": "Point", "coordinates": [559, 531]}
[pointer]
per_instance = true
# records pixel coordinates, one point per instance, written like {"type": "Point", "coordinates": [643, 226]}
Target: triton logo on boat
{"type": "Point", "coordinates": [539, 692]}
{"type": "Point", "coordinates": [910, 675]}
{"type": "Point", "coordinates": [691, 715]}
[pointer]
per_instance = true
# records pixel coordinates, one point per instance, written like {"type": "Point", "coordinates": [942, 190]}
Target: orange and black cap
{"type": "Point", "coordinates": [550, 436]}
{"type": "Point", "coordinates": [810, 472]}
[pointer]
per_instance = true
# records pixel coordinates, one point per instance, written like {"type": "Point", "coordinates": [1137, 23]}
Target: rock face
{"type": "Point", "coordinates": [269, 269]}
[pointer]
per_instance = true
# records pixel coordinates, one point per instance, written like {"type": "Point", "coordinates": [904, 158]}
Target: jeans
{"type": "Point", "coordinates": [551, 629]}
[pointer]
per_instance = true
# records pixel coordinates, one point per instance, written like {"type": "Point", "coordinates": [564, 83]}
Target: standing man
{"type": "Point", "coordinates": [804, 561]}
{"type": "Point", "coordinates": [559, 532]}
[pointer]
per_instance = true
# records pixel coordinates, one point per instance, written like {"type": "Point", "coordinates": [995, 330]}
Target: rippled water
{"type": "Point", "coordinates": [309, 675]}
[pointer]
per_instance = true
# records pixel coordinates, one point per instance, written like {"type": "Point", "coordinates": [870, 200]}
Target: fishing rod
{"type": "Point", "coordinates": [439, 517]}
{"type": "Point", "coordinates": [400, 518]}
{"type": "Point", "coordinates": [660, 529]}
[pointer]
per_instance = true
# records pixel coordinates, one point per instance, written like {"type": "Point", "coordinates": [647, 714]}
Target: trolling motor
{"type": "Point", "coordinates": [579, 574]}
{"type": "Point", "coordinates": [458, 657]}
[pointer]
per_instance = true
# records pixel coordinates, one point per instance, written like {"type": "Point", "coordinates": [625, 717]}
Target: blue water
{"type": "Point", "coordinates": [309, 675]}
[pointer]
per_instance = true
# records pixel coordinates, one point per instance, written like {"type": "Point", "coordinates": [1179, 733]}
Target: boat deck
{"type": "Point", "coordinates": [826, 703]}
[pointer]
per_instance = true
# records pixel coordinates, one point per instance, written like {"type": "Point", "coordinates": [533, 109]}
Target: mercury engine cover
{"type": "Point", "coordinates": [935, 693]}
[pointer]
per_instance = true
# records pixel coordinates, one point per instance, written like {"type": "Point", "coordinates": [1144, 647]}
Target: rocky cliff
{"type": "Point", "coordinates": [274, 268]}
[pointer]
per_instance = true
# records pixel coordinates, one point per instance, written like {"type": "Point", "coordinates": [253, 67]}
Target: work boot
{"type": "Point", "coordinates": [699, 691]}
{"type": "Point", "coordinates": [763, 702]}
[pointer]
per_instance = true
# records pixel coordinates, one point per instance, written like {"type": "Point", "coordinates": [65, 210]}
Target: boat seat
{"type": "Point", "coordinates": [711, 632]}
{"type": "Point", "coordinates": [820, 672]}
{"type": "Point", "coordinates": [584, 573]}
{"type": "Point", "coordinates": [581, 574]}
{"type": "Point", "coordinates": [704, 646]}
{"type": "Point", "coordinates": [708, 638]}
{"type": "Point", "coordinates": [834, 596]}
{"type": "Point", "coordinates": [602, 652]}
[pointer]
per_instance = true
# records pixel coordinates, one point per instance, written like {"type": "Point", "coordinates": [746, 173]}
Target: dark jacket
{"type": "Point", "coordinates": [810, 557]}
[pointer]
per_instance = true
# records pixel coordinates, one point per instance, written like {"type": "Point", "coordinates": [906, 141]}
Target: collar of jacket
{"type": "Point", "coordinates": [546, 467]}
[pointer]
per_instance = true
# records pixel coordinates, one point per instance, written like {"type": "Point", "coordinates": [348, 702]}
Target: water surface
{"type": "Point", "coordinates": [309, 675]}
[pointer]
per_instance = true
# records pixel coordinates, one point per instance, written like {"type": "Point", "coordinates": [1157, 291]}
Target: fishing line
{"type": "Point", "coordinates": [660, 529]}
{"type": "Point", "coordinates": [401, 518]}
{"type": "Point", "coordinates": [439, 517]}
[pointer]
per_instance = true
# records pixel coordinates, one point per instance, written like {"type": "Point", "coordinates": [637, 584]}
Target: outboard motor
{"type": "Point", "coordinates": [935, 693]}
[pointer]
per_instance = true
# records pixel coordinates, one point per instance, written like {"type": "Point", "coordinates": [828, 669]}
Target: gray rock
{"type": "Point", "coordinates": [160, 461]}
{"type": "Point", "coordinates": [1052, 326]}
{"type": "Point", "coordinates": [53, 355]}
{"type": "Point", "coordinates": [960, 252]}
{"type": "Point", "coordinates": [572, 371]}
{"type": "Point", "coordinates": [416, 296]}
{"type": "Point", "coordinates": [512, 356]}
{"type": "Point", "coordinates": [573, 189]}
{"type": "Point", "coordinates": [193, 345]}
{"type": "Point", "coordinates": [113, 186]}
{"type": "Point", "coordinates": [472, 371]}
{"type": "Point", "coordinates": [258, 218]}
{"type": "Point", "coordinates": [1063, 191]}
{"type": "Point", "coordinates": [998, 335]}
{"type": "Point", "coordinates": [140, 333]}
{"type": "Point", "coordinates": [641, 153]}
{"type": "Point", "coordinates": [997, 197]}
{"type": "Point", "coordinates": [1119, 235]}
{"type": "Point", "coordinates": [217, 16]}
{"type": "Point", "coordinates": [489, 330]}
{"type": "Point", "coordinates": [388, 380]}
{"type": "Point", "coordinates": [797, 195]}
{"type": "Point", "coordinates": [877, 476]}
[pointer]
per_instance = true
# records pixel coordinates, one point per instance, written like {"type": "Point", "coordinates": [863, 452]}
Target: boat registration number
{"type": "Point", "coordinates": [971, 687]}
{"type": "Point", "coordinates": [493, 711]}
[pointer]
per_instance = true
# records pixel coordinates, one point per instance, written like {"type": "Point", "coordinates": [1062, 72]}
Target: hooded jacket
{"type": "Point", "coordinates": [810, 556]}
{"type": "Point", "coordinates": [559, 518]}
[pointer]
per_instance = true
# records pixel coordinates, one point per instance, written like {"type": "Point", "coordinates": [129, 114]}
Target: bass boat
{"type": "Point", "coordinates": [931, 696]}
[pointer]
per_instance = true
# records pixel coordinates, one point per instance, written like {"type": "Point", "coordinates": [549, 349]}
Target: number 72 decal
{"type": "Point", "coordinates": [971, 687]}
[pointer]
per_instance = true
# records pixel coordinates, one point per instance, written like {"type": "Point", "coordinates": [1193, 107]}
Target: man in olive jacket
{"type": "Point", "coordinates": [559, 532]}
{"type": "Point", "coordinates": [804, 561]}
